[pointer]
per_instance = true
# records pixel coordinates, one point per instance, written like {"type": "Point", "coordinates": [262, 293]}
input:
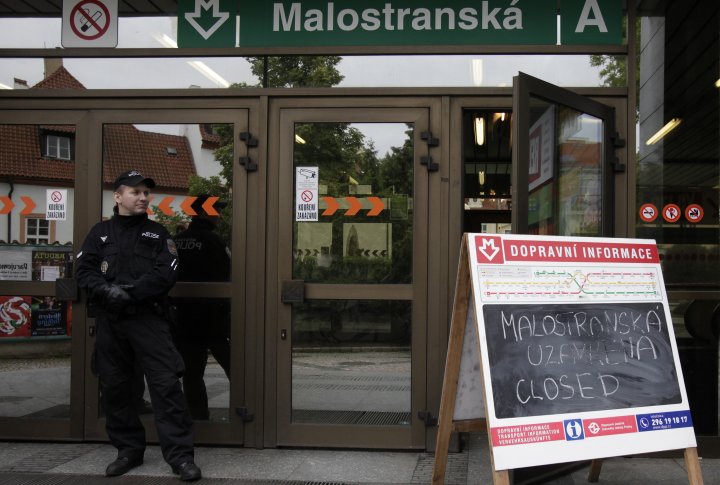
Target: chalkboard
{"type": "Point", "coordinates": [568, 358]}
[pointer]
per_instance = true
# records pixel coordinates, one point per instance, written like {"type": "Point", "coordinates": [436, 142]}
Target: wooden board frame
{"type": "Point", "coordinates": [446, 422]}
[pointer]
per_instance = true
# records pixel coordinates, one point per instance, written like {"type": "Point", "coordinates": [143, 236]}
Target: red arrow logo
{"type": "Point", "coordinates": [29, 205]}
{"type": "Point", "coordinates": [377, 206]}
{"type": "Point", "coordinates": [332, 206]}
{"type": "Point", "coordinates": [186, 206]}
{"type": "Point", "coordinates": [354, 204]}
{"type": "Point", "coordinates": [208, 206]}
{"type": "Point", "coordinates": [8, 205]}
{"type": "Point", "coordinates": [164, 206]}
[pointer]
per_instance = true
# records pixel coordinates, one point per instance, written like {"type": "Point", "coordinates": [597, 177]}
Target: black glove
{"type": "Point", "coordinates": [113, 297]}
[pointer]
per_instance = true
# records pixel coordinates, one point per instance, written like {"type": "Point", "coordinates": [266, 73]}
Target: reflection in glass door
{"type": "Point", "coordinates": [351, 358]}
{"type": "Point", "coordinates": [563, 161]}
{"type": "Point", "coordinates": [182, 157]}
{"type": "Point", "coordinates": [37, 200]}
{"type": "Point", "coordinates": [353, 352]}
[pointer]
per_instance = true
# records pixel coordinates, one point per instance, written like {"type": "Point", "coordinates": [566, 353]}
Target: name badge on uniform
{"type": "Point", "coordinates": [104, 267]}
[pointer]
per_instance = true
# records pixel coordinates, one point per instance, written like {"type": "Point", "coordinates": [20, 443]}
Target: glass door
{"type": "Point", "coordinates": [352, 258]}
{"type": "Point", "coordinates": [41, 378]}
{"type": "Point", "coordinates": [563, 160]}
{"type": "Point", "coordinates": [200, 197]}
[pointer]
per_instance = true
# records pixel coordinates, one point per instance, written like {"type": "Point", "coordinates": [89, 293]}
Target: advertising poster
{"type": "Point", "coordinates": [49, 317]}
{"type": "Point", "coordinates": [49, 265]}
{"type": "Point", "coordinates": [15, 265]}
{"type": "Point", "coordinates": [15, 316]}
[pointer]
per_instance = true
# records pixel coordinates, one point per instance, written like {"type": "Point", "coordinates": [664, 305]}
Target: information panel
{"type": "Point", "coordinates": [577, 348]}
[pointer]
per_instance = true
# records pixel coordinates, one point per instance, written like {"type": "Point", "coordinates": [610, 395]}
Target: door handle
{"type": "Point", "coordinates": [283, 334]}
{"type": "Point", "coordinates": [292, 291]}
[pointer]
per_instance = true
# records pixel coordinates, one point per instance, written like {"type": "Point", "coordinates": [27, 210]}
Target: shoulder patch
{"type": "Point", "coordinates": [172, 247]}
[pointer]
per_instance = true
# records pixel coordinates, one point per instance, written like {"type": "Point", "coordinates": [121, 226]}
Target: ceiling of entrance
{"type": "Point", "coordinates": [53, 8]}
{"type": "Point", "coordinates": [129, 8]}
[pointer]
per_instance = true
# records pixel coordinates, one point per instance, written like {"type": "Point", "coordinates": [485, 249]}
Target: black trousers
{"type": "Point", "coordinates": [144, 338]}
{"type": "Point", "coordinates": [194, 351]}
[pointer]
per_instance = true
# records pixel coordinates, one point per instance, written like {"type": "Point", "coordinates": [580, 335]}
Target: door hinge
{"type": "Point", "coordinates": [249, 140]}
{"type": "Point", "coordinates": [249, 165]}
{"type": "Point", "coordinates": [431, 141]}
{"type": "Point", "coordinates": [245, 416]}
{"type": "Point", "coordinates": [617, 141]}
{"type": "Point", "coordinates": [427, 417]}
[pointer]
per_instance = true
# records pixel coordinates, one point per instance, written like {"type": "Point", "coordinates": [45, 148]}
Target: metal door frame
{"type": "Point", "coordinates": [233, 431]}
{"type": "Point", "coordinates": [283, 114]}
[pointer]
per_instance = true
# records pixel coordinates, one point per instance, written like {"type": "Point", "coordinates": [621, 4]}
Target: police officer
{"type": "Point", "coordinates": [203, 323]}
{"type": "Point", "coordinates": [127, 265]}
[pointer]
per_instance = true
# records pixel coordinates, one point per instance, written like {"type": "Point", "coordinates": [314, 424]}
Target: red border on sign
{"type": "Point", "coordinates": [700, 216]}
{"type": "Point", "coordinates": [648, 218]}
{"type": "Point", "coordinates": [677, 211]}
{"type": "Point", "coordinates": [101, 30]}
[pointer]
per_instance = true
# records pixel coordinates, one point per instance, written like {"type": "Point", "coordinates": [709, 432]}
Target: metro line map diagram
{"type": "Point", "coordinates": [567, 283]}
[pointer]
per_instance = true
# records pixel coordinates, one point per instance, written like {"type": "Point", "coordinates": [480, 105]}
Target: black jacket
{"type": "Point", "coordinates": [130, 250]}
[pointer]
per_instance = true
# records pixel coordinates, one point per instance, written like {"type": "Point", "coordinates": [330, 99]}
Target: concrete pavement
{"type": "Point", "coordinates": [23, 463]}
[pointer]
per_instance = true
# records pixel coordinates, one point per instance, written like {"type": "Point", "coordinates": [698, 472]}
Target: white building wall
{"type": "Point", "coordinates": [205, 163]}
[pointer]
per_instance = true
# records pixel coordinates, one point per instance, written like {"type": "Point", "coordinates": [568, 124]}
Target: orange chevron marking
{"type": "Point", "coordinates": [377, 206]}
{"type": "Point", "coordinates": [8, 205]}
{"type": "Point", "coordinates": [29, 205]}
{"type": "Point", "coordinates": [208, 206]}
{"type": "Point", "coordinates": [164, 206]}
{"type": "Point", "coordinates": [354, 204]}
{"type": "Point", "coordinates": [186, 205]}
{"type": "Point", "coordinates": [149, 210]}
{"type": "Point", "coordinates": [332, 206]}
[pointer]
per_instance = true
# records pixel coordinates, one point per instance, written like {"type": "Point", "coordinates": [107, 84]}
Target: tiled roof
{"type": "Point", "coordinates": [60, 79]}
{"type": "Point", "coordinates": [20, 156]}
{"type": "Point", "coordinates": [127, 148]}
{"type": "Point", "coordinates": [124, 148]}
{"type": "Point", "coordinates": [209, 140]}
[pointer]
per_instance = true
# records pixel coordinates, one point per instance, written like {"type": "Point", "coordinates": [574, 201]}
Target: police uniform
{"type": "Point", "coordinates": [202, 323]}
{"type": "Point", "coordinates": [139, 254]}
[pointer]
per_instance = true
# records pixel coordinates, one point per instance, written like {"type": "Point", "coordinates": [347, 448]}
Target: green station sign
{"type": "Point", "coordinates": [321, 23]}
{"type": "Point", "coordinates": [287, 23]}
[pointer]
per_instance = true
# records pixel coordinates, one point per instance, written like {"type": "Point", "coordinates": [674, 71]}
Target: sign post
{"type": "Point", "coordinates": [575, 352]}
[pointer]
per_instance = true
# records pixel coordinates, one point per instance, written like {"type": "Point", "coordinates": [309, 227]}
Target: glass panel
{"type": "Point", "coordinates": [487, 158]}
{"type": "Point", "coordinates": [355, 71]}
{"type": "Point", "coordinates": [565, 171]}
{"type": "Point", "coordinates": [36, 237]}
{"type": "Point", "coordinates": [362, 227]}
{"type": "Point", "coordinates": [678, 176]}
{"type": "Point", "coordinates": [194, 160]}
{"type": "Point", "coordinates": [351, 362]}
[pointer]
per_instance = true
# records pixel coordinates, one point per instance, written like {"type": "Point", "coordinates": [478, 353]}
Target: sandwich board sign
{"type": "Point", "coordinates": [574, 353]}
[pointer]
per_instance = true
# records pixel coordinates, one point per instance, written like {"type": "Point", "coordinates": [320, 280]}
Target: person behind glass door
{"type": "Point", "coordinates": [202, 324]}
{"type": "Point", "coordinates": [128, 264]}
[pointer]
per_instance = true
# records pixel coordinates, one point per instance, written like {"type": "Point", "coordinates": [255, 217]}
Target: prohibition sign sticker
{"type": "Point", "coordinates": [648, 212]}
{"type": "Point", "coordinates": [89, 23]}
{"type": "Point", "coordinates": [671, 213]}
{"type": "Point", "coordinates": [306, 195]}
{"type": "Point", "coordinates": [694, 213]}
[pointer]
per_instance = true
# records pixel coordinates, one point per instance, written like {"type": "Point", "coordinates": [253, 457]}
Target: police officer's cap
{"type": "Point", "coordinates": [131, 178]}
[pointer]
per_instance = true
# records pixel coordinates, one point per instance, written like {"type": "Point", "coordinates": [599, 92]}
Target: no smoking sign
{"type": "Point", "coordinates": [90, 23]}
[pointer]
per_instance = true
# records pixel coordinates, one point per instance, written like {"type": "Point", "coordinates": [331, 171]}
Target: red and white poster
{"type": "Point", "coordinates": [15, 316]}
{"type": "Point", "coordinates": [577, 348]}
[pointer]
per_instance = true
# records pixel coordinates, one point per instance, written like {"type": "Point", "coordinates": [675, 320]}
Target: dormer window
{"type": "Point", "coordinates": [58, 147]}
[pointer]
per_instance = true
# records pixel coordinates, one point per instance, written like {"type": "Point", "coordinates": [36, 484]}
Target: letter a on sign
{"type": "Point", "coordinates": [207, 23]}
{"type": "Point", "coordinates": [591, 22]}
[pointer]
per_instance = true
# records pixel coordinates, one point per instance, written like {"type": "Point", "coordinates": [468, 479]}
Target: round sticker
{"type": "Point", "coordinates": [671, 213]}
{"type": "Point", "coordinates": [648, 212]}
{"type": "Point", "coordinates": [694, 213]}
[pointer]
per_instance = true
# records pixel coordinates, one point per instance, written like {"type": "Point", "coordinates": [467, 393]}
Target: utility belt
{"type": "Point", "coordinates": [146, 308]}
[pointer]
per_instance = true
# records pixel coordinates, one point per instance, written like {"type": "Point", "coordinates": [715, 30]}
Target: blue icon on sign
{"type": "Point", "coordinates": [573, 429]}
